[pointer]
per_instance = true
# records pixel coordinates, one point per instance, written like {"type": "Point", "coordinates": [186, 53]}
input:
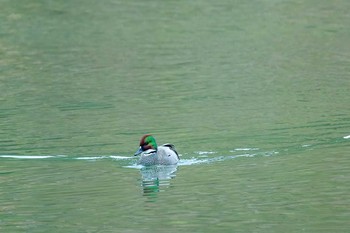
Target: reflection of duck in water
{"type": "Point", "coordinates": [152, 154]}
{"type": "Point", "coordinates": [156, 178]}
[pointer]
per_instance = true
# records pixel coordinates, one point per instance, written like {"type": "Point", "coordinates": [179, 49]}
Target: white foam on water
{"type": "Point", "coordinates": [116, 157]}
{"type": "Point", "coordinates": [30, 156]}
{"type": "Point", "coordinates": [91, 158]}
{"type": "Point", "coordinates": [203, 157]}
{"type": "Point", "coordinates": [201, 160]}
{"type": "Point", "coordinates": [120, 157]}
{"type": "Point", "coordinates": [135, 166]}
{"type": "Point", "coordinates": [187, 162]}
{"type": "Point", "coordinates": [243, 155]}
{"type": "Point", "coordinates": [205, 152]}
{"type": "Point", "coordinates": [244, 149]}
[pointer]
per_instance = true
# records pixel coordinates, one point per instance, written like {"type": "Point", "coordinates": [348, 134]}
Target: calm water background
{"type": "Point", "coordinates": [254, 94]}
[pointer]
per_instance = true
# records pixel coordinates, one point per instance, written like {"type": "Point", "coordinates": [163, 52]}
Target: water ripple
{"type": "Point", "coordinates": [194, 158]}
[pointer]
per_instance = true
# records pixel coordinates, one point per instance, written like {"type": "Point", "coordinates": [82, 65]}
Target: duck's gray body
{"type": "Point", "coordinates": [164, 155]}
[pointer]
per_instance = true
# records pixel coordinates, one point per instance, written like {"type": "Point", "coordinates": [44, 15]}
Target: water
{"type": "Point", "coordinates": [255, 96]}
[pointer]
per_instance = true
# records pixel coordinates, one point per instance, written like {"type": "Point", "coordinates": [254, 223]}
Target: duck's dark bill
{"type": "Point", "coordinates": [139, 151]}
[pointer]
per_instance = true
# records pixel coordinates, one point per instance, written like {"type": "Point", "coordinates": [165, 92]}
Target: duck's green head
{"type": "Point", "coordinates": [147, 142]}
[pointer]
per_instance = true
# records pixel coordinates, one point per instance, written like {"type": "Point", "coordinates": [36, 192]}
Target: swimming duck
{"type": "Point", "coordinates": [151, 154]}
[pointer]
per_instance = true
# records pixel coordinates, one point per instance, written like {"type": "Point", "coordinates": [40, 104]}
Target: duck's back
{"type": "Point", "coordinates": [167, 155]}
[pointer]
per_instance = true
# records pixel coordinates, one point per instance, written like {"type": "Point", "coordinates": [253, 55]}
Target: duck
{"type": "Point", "coordinates": [152, 154]}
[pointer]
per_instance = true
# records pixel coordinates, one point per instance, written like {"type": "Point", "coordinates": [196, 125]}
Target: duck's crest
{"type": "Point", "coordinates": [142, 141]}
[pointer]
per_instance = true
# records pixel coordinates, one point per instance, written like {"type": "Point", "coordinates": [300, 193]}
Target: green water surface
{"type": "Point", "coordinates": [254, 94]}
